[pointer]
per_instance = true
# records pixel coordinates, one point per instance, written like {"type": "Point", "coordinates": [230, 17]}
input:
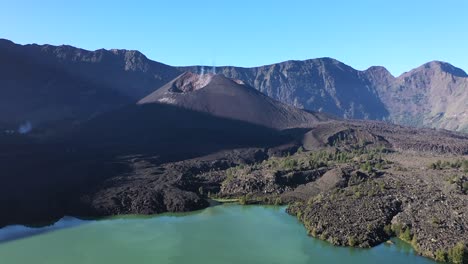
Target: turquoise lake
{"type": "Point", "coordinates": [219, 234]}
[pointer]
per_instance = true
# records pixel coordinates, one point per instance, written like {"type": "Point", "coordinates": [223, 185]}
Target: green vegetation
{"type": "Point", "coordinates": [352, 241]}
{"type": "Point", "coordinates": [404, 233]}
{"type": "Point", "coordinates": [278, 201]}
{"type": "Point", "coordinates": [230, 174]}
{"type": "Point", "coordinates": [226, 200]}
{"type": "Point", "coordinates": [243, 200]}
{"type": "Point", "coordinates": [441, 255]}
{"type": "Point", "coordinates": [457, 254]}
{"type": "Point", "coordinates": [367, 188]}
{"type": "Point", "coordinates": [460, 181]}
{"type": "Point", "coordinates": [370, 160]}
{"type": "Point", "coordinates": [388, 230]}
{"type": "Point", "coordinates": [458, 164]}
{"type": "Point", "coordinates": [324, 236]}
{"type": "Point", "coordinates": [358, 194]}
{"type": "Point", "coordinates": [289, 163]}
{"type": "Point", "coordinates": [366, 166]}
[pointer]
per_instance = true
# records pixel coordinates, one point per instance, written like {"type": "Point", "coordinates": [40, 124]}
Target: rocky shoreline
{"type": "Point", "coordinates": [357, 198]}
{"type": "Point", "coordinates": [363, 199]}
{"type": "Point", "coordinates": [349, 185]}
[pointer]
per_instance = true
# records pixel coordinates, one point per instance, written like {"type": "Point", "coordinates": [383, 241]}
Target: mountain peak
{"type": "Point", "coordinates": [221, 96]}
{"type": "Point", "coordinates": [189, 82]}
{"type": "Point", "coordinates": [447, 67]}
{"type": "Point", "coordinates": [438, 66]}
{"type": "Point", "coordinates": [6, 42]}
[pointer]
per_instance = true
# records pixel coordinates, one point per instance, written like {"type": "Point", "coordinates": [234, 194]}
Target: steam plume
{"type": "Point", "coordinates": [25, 128]}
{"type": "Point", "coordinates": [202, 70]}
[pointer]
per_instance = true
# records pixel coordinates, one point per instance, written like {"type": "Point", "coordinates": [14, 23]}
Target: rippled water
{"type": "Point", "coordinates": [220, 234]}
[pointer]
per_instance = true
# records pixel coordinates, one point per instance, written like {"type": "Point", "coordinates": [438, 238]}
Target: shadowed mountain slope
{"type": "Point", "coordinates": [44, 83]}
{"type": "Point", "coordinates": [220, 96]}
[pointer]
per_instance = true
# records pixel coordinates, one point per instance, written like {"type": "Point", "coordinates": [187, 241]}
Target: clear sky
{"type": "Point", "coordinates": [397, 34]}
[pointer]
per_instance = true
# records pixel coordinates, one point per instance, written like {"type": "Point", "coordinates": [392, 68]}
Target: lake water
{"type": "Point", "coordinates": [220, 234]}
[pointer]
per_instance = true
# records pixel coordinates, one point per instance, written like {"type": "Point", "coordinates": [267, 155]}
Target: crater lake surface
{"type": "Point", "coordinates": [219, 234]}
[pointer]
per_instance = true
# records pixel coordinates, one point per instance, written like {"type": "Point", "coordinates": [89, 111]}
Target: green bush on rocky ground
{"type": "Point", "coordinates": [458, 164]}
{"type": "Point", "coordinates": [457, 254]}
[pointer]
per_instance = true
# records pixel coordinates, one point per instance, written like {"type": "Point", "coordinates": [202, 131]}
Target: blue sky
{"type": "Point", "coordinates": [397, 34]}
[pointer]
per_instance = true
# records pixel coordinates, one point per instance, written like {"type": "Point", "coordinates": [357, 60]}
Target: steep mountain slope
{"type": "Point", "coordinates": [223, 97]}
{"type": "Point", "coordinates": [50, 83]}
{"type": "Point", "coordinates": [34, 92]}
{"type": "Point", "coordinates": [324, 84]}
{"type": "Point", "coordinates": [433, 95]}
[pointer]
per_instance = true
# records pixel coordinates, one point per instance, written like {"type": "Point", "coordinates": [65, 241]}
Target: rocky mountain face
{"type": "Point", "coordinates": [325, 85]}
{"type": "Point", "coordinates": [49, 83]}
{"type": "Point", "coordinates": [433, 95]}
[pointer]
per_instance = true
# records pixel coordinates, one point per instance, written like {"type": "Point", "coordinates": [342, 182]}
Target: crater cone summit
{"type": "Point", "coordinates": [230, 98]}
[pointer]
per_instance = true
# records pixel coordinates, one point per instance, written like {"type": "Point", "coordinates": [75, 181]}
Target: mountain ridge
{"type": "Point", "coordinates": [321, 84]}
{"type": "Point", "coordinates": [119, 50]}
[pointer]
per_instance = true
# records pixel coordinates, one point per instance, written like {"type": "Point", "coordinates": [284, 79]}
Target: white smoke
{"type": "Point", "coordinates": [202, 70]}
{"type": "Point", "coordinates": [25, 128]}
{"type": "Point", "coordinates": [214, 69]}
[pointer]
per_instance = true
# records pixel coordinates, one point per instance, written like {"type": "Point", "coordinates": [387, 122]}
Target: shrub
{"type": "Point", "coordinates": [358, 194]}
{"type": "Point", "coordinates": [300, 149]}
{"type": "Point", "coordinates": [441, 255]}
{"type": "Point", "coordinates": [382, 186]}
{"type": "Point", "coordinates": [313, 232]}
{"type": "Point", "coordinates": [229, 175]}
{"type": "Point", "coordinates": [289, 163]}
{"type": "Point", "coordinates": [465, 165]}
{"type": "Point", "coordinates": [278, 201]}
{"type": "Point", "coordinates": [457, 254]}
{"type": "Point", "coordinates": [366, 166]}
{"type": "Point", "coordinates": [324, 236]}
{"type": "Point", "coordinates": [379, 166]}
{"type": "Point", "coordinates": [414, 242]}
{"type": "Point", "coordinates": [243, 200]}
{"type": "Point", "coordinates": [397, 228]}
{"type": "Point", "coordinates": [465, 187]}
{"type": "Point", "coordinates": [402, 232]}
{"type": "Point", "coordinates": [406, 235]}
{"type": "Point", "coordinates": [299, 215]}
{"type": "Point", "coordinates": [352, 241]}
{"type": "Point", "coordinates": [388, 230]}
